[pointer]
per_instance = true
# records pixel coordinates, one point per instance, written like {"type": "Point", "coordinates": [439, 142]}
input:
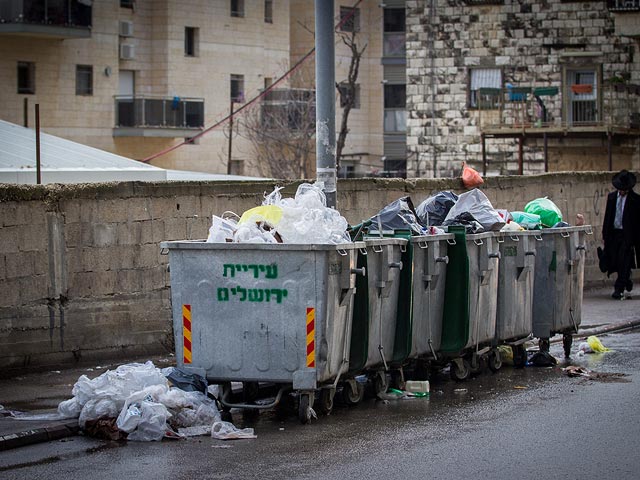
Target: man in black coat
{"type": "Point", "coordinates": [621, 231]}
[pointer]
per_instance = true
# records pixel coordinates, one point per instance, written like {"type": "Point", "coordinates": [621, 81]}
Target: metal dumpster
{"type": "Point", "coordinates": [515, 290]}
{"type": "Point", "coordinates": [469, 318]}
{"type": "Point", "coordinates": [264, 313]}
{"type": "Point", "coordinates": [559, 283]}
{"type": "Point", "coordinates": [374, 315]}
{"type": "Point", "coordinates": [429, 276]}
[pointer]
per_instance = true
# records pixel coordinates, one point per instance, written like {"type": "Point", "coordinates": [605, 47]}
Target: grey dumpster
{"type": "Point", "coordinates": [469, 318]}
{"type": "Point", "coordinates": [374, 316]}
{"type": "Point", "coordinates": [429, 276]}
{"type": "Point", "coordinates": [559, 283]}
{"type": "Point", "coordinates": [515, 290]}
{"type": "Point", "coordinates": [264, 313]}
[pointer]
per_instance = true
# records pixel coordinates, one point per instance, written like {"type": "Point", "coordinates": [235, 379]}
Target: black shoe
{"type": "Point", "coordinates": [629, 285]}
{"type": "Point", "coordinates": [616, 295]}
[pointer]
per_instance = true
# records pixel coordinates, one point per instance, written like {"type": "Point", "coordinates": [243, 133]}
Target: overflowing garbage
{"type": "Point", "coordinates": [141, 402]}
{"type": "Point", "coordinates": [302, 219]}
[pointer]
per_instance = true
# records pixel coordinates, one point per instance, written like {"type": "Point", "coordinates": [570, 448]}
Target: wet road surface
{"type": "Point", "coordinates": [534, 423]}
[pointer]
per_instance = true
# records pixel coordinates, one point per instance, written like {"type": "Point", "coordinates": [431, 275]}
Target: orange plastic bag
{"type": "Point", "coordinates": [470, 177]}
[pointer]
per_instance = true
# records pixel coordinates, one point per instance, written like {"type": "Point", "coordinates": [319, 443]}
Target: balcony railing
{"type": "Point", "coordinates": [53, 13]}
{"type": "Point", "coordinates": [394, 44]}
{"type": "Point", "coordinates": [623, 5]}
{"type": "Point", "coordinates": [579, 107]}
{"type": "Point", "coordinates": [159, 112]}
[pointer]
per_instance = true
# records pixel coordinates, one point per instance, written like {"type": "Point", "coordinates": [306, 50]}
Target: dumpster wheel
{"type": "Point", "coordinates": [352, 392]}
{"type": "Point", "coordinates": [460, 369]}
{"type": "Point", "coordinates": [495, 362]}
{"type": "Point", "coordinates": [305, 412]}
{"type": "Point", "coordinates": [380, 383]}
{"type": "Point", "coordinates": [326, 400]}
{"type": "Point", "coordinates": [519, 356]}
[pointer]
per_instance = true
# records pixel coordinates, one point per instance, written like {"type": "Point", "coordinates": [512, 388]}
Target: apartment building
{"type": "Point", "coordinates": [136, 77]}
{"type": "Point", "coordinates": [139, 77]}
{"type": "Point", "coordinates": [513, 87]}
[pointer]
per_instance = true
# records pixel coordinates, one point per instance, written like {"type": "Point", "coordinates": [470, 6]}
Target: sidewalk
{"type": "Point", "coordinates": [42, 392]}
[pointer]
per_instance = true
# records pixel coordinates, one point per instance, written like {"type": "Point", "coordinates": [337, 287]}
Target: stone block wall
{"type": "Point", "coordinates": [533, 43]}
{"type": "Point", "coordinates": [83, 279]}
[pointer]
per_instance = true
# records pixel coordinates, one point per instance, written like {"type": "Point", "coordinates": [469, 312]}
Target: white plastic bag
{"type": "Point", "coordinates": [227, 431]}
{"type": "Point", "coordinates": [221, 230]}
{"type": "Point", "coordinates": [478, 205]}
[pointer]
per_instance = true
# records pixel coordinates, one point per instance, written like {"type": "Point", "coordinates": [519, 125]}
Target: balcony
{"type": "Point", "coordinates": [148, 116]}
{"type": "Point", "coordinates": [613, 109]}
{"type": "Point", "coordinates": [46, 18]}
{"type": "Point", "coordinates": [623, 5]}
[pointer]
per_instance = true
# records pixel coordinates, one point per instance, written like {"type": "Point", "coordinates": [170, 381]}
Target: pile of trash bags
{"type": "Point", "coordinates": [471, 209]}
{"type": "Point", "coordinates": [306, 219]}
{"type": "Point", "coordinates": [302, 219]}
{"type": "Point", "coordinates": [141, 402]}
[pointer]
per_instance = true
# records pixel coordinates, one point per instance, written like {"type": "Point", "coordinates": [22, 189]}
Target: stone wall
{"type": "Point", "coordinates": [533, 44]}
{"type": "Point", "coordinates": [81, 273]}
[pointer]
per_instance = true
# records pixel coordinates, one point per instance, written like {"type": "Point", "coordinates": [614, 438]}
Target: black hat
{"type": "Point", "coordinates": [624, 180]}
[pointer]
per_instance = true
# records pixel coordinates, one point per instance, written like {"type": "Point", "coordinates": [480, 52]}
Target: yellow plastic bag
{"type": "Point", "coordinates": [596, 345]}
{"type": "Point", "coordinates": [270, 214]}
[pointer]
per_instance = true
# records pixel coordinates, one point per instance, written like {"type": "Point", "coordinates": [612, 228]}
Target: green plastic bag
{"type": "Point", "coordinates": [549, 213]}
{"type": "Point", "coordinates": [530, 221]}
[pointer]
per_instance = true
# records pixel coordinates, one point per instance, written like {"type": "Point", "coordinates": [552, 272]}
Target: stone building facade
{"type": "Point", "coordinates": [514, 86]}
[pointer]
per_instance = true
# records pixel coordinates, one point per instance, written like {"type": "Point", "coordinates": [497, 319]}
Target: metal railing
{"type": "Point", "coordinates": [614, 105]}
{"type": "Point", "coordinates": [68, 13]}
{"type": "Point", "coordinates": [159, 112]}
{"type": "Point", "coordinates": [623, 5]}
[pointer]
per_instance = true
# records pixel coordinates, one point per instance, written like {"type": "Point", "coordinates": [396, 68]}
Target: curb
{"type": "Point", "coordinates": [617, 327]}
{"type": "Point", "coordinates": [39, 435]}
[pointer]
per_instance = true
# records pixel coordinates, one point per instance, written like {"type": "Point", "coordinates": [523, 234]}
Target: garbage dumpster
{"type": "Point", "coordinates": [430, 261]}
{"type": "Point", "coordinates": [469, 318]}
{"type": "Point", "coordinates": [375, 313]}
{"type": "Point", "coordinates": [264, 313]}
{"type": "Point", "coordinates": [515, 290]}
{"type": "Point", "coordinates": [559, 283]}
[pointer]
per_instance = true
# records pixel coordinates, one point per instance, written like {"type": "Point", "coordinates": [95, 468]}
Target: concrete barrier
{"type": "Point", "coordinates": [82, 277]}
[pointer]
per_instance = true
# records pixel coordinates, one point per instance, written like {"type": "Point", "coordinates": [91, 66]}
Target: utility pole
{"type": "Point", "coordinates": [325, 100]}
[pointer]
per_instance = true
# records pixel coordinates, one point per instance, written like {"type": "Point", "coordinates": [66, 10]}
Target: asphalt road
{"type": "Point", "coordinates": [535, 423]}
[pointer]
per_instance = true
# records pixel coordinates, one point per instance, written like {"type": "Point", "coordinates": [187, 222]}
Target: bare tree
{"type": "Point", "coordinates": [347, 90]}
{"type": "Point", "coordinates": [281, 128]}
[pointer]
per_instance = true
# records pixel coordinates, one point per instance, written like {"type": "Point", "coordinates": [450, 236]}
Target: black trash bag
{"type": "Point", "coordinates": [561, 224]}
{"type": "Point", "coordinates": [398, 215]}
{"type": "Point", "coordinates": [434, 209]}
{"type": "Point", "coordinates": [189, 382]}
{"type": "Point", "coordinates": [542, 359]}
{"type": "Point", "coordinates": [468, 221]}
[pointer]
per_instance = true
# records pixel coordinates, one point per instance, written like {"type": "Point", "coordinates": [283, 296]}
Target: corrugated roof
{"type": "Point", "coordinates": [64, 161]}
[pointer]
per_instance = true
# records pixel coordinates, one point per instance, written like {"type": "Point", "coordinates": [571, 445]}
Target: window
{"type": "Point", "coordinates": [394, 32]}
{"type": "Point", "coordinates": [237, 8]}
{"type": "Point", "coordinates": [268, 11]}
{"type": "Point", "coordinates": [191, 37]}
{"type": "Point", "coordinates": [347, 94]}
{"type": "Point", "coordinates": [395, 114]}
{"type": "Point", "coordinates": [268, 81]}
{"type": "Point", "coordinates": [237, 88]}
{"type": "Point", "coordinates": [490, 81]}
{"type": "Point", "coordinates": [582, 92]}
{"type": "Point", "coordinates": [26, 77]}
{"type": "Point", "coordinates": [349, 19]}
{"type": "Point", "coordinates": [84, 80]}
{"type": "Point", "coordinates": [126, 3]}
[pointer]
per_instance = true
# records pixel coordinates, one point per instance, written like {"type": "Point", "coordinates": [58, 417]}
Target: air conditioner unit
{"type": "Point", "coordinates": [126, 28]}
{"type": "Point", "coordinates": [127, 51]}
